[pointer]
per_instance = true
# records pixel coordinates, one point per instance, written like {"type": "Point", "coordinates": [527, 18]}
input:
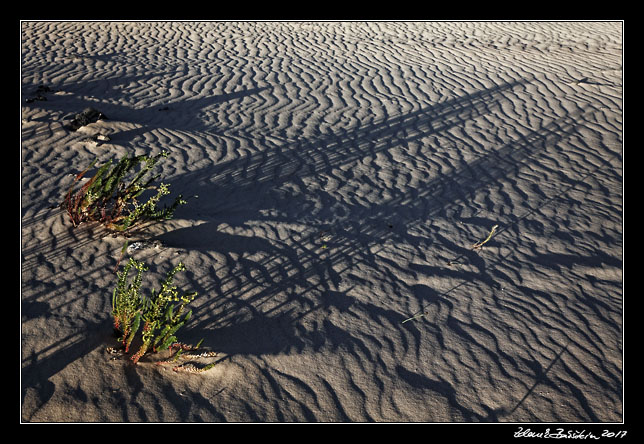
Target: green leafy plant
{"type": "Point", "coordinates": [158, 315]}
{"type": "Point", "coordinates": [128, 303]}
{"type": "Point", "coordinates": [110, 196]}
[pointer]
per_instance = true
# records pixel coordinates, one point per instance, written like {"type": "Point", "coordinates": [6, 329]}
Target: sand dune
{"type": "Point", "coordinates": [338, 175]}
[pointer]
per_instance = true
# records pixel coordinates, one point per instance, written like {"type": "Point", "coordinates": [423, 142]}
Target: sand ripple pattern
{"type": "Point", "coordinates": [342, 170]}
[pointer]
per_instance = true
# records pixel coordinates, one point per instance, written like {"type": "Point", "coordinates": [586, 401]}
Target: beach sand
{"type": "Point", "coordinates": [337, 175]}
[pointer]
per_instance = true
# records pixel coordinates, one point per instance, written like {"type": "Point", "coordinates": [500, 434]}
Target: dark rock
{"type": "Point", "coordinates": [38, 94]}
{"type": "Point", "coordinates": [39, 97]}
{"type": "Point", "coordinates": [89, 115]}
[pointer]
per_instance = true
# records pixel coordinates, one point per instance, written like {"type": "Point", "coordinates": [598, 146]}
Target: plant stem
{"type": "Point", "coordinates": [479, 245]}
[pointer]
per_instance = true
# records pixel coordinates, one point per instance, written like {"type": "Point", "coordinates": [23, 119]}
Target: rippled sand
{"type": "Point", "coordinates": [343, 171]}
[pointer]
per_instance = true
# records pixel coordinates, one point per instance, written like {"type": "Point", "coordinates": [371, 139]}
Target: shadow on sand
{"type": "Point", "coordinates": [255, 310]}
{"type": "Point", "coordinates": [288, 271]}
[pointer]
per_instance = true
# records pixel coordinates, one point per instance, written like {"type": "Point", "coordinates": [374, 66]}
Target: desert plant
{"type": "Point", "coordinates": [128, 303]}
{"type": "Point", "coordinates": [111, 199]}
{"type": "Point", "coordinates": [479, 245]}
{"type": "Point", "coordinates": [160, 314]}
{"type": "Point", "coordinates": [189, 352]}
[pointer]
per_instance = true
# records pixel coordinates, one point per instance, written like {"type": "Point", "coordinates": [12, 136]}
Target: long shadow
{"type": "Point", "coordinates": [270, 167]}
{"type": "Point", "coordinates": [259, 315]}
{"type": "Point", "coordinates": [357, 234]}
{"type": "Point", "coordinates": [541, 377]}
{"type": "Point", "coordinates": [180, 114]}
{"type": "Point", "coordinates": [183, 110]}
{"type": "Point", "coordinates": [185, 114]}
{"type": "Point", "coordinates": [38, 369]}
{"type": "Point", "coordinates": [442, 388]}
{"type": "Point", "coordinates": [445, 389]}
{"type": "Point", "coordinates": [275, 330]}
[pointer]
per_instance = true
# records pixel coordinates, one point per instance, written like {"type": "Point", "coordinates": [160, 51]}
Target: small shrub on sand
{"type": "Point", "coordinates": [110, 196]}
{"type": "Point", "coordinates": [158, 315]}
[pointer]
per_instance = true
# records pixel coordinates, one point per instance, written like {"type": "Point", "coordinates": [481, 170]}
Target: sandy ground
{"type": "Point", "coordinates": [343, 171]}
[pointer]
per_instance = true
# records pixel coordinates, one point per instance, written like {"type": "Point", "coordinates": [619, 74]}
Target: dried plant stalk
{"type": "Point", "coordinates": [479, 245]}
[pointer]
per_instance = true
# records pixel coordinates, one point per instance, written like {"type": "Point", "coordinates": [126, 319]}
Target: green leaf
{"type": "Point", "coordinates": [167, 343]}
{"type": "Point", "coordinates": [134, 329]}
